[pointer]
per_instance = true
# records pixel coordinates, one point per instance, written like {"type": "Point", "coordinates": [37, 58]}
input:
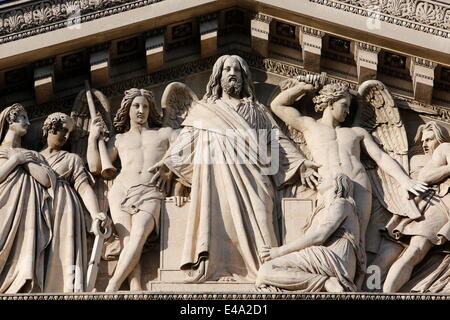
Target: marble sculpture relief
{"type": "Point", "coordinates": [228, 162]}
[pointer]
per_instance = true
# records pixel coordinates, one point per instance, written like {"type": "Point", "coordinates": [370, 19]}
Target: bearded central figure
{"type": "Point", "coordinates": [228, 152]}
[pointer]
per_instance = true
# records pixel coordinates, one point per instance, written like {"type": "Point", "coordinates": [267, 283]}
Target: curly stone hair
{"type": "Point", "coordinates": [54, 123]}
{"type": "Point", "coordinates": [16, 108]}
{"type": "Point", "coordinates": [329, 94]}
{"type": "Point", "coordinates": [122, 119]}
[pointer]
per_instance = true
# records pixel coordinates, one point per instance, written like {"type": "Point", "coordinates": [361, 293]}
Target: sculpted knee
{"type": "Point", "coordinates": [263, 273]}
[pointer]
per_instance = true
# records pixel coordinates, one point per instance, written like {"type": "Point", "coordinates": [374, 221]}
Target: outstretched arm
{"type": "Point", "coordinates": [336, 214]}
{"type": "Point", "coordinates": [389, 165]}
{"type": "Point", "coordinates": [282, 105]}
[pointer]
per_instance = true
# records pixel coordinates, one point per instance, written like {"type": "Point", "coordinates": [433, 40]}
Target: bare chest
{"type": "Point", "coordinates": [324, 137]}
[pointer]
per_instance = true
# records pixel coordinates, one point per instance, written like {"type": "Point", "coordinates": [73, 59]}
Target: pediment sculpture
{"type": "Point", "coordinates": [240, 175]}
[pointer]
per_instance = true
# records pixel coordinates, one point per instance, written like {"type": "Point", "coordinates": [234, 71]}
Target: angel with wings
{"type": "Point", "coordinates": [339, 149]}
{"type": "Point", "coordinates": [140, 142]}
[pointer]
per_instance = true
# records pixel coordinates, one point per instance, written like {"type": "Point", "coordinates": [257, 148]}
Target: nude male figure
{"type": "Point", "coordinates": [134, 201]}
{"type": "Point", "coordinates": [337, 149]}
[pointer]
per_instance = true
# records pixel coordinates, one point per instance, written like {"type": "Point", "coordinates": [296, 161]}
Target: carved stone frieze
{"type": "Point", "coordinates": [426, 16]}
{"type": "Point", "coordinates": [44, 16]}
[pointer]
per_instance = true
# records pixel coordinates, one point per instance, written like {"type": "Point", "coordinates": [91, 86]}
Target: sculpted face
{"type": "Point", "coordinates": [58, 139]}
{"type": "Point", "coordinates": [341, 108]}
{"type": "Point", "coordinates": [429, 142]}
{"type": "Point", "coordinates": [21, 124]}
{"type": "Point", "coordinates": [231, 79]}
{"type": "Point", "coordinates": [139, 110]}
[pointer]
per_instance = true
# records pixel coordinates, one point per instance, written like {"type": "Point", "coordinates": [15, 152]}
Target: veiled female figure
{"type": "Point", "coordinates": [67, 259]}
{"type": "Point", "coordinates": [25, 202]}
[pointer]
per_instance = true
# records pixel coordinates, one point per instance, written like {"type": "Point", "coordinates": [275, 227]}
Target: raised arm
{"type": "Point", "coordinates": [438, 168]}
{"type": "Point", "coordinates": [389, 165]}
{"type": "Point", "coordinates": [282, 106]}
{"type": "Point", "coordinates": [93, 154]}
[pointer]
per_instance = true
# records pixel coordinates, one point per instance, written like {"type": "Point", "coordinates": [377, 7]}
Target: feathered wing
{"type": "Point", "coordinates": [378, 114]}
{"type": "Point", "coordinates": [81, 117]}
{"type": "Point", "coordinates": [176, 101]}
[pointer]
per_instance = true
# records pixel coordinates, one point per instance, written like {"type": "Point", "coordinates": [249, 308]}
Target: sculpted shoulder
{"type": "Point", "coordinates": [444, 147]}
{"type": "Point", "coordinates": [361, 132]}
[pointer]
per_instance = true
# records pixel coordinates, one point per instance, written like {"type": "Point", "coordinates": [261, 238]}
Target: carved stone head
{"type": "Point", "coordinates": [430, 136]}
{"type": "Point", "coordinates": [336, 97]}
{"type": "Point", "coordinates": [14, 118]}
{"type": "Point", "coordinates": [57, 128]}
{"type": "Point", "coordinates": [139, 106]}
{"type": "Point", "coordinates": [232, 75]}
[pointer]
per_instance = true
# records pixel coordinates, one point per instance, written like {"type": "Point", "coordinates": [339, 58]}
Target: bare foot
{"type": "Point", "coordinates": [112, 287]}
{"type": "Point", "coordinates": [333, 285]}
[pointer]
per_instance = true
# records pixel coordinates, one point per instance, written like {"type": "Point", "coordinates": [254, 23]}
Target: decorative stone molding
{"type": "Point", "coordinates": [311, 43]}
{"type": "Point", "coordinates": [100, 63]}
{"type": "Point", "coordinates": [154, 49]}
{"type": "Point", "coordinates": [209, 26]}
{"type": "Point", "coordinates": [260, 28]}
{"type": "Point", "coordinates": [261, 17]}
{"type": "Point", "coordinates": [366, 57]}
{"type": "Point", "coordinates": [312, 32]}
{"type": "Point", "coordinates": [231, 296]}
{"type": "Point", "coordinates": [48, 15]}
{"type": "Point", "coordinates": [363, 46]}
{"type": "Point", "coordinates": [426, 16]}
{"type": "Point", "coordinates": [44, 80]}
{"type": "Point", "coordinates": [422, 74]}
{"type": "Point", "coordinates": [254, 61]}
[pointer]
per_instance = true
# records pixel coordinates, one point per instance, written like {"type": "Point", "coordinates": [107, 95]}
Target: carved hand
{"type": "Point", "coordinates": [308, 174]}
{"type": "Point", "coordinates": [105, 221]}
{"type": "Point", "coordinates": [310, 81]}
{"type": "Point", "coordinates": [21, 157]}
{"type": "Point", "coordinates": [162, 175]}
{"type": "Point", "coordinates": [267, 253]}
{"type": "Point", "coordinates": [415, 187]}
{"type": "Point", "coordinates": [97, 127]}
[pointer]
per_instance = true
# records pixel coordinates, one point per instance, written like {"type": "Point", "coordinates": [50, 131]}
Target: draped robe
{"type": "Point", "coordinates": [231, 212]}
{"type": "Point", "coordinates": [67, 259]}
{"type": "Point", "coordinates": [25, 230]}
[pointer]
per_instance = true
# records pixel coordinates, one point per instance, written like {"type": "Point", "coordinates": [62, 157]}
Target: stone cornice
{"type": "Point", "coordinates": [48, 15]}
{"type": "Point", "coordinates": [313, 32]}
{"type": "Point", "coordinates": [424, 63]}
{"type": "Point", "coordinates": [421, 15]}
{"type": "Point", "coordinates": [368, 47]}
{"type": "Point", "coordinates": [254, 61]}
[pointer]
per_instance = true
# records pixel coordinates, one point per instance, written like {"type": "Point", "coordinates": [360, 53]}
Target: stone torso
{"type": "Point", "coordinates": [337, 150]}
{"type": "Point", "coordinates": [138, 151]}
